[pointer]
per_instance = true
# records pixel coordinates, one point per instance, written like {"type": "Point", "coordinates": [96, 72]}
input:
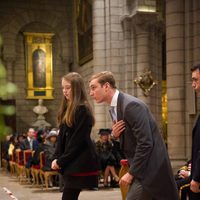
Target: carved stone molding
{"type": "Point", "coordinates": [140, 17]}
{"type": "Point", "coordinates": [144, 21]}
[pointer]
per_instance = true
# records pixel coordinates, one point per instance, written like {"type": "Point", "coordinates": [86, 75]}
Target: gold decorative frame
{"type": "Point", "coordinates": [38, 52]}
{"type": "Point", "coordinates": [83, 10]}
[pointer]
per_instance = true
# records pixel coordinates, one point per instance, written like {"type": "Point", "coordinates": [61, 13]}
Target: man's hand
{"type": "Point", "coordinates": [54, 165]}
{"type": "Point", "coordinates": [194, 186]}
{"type": "Point", "coordinates": [126, 179]}
{"type": "Point", "coordinates": [117, 128]}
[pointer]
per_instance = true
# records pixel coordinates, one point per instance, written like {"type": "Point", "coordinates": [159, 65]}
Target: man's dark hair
{"type": "Point", "coordinates": [195, 67]}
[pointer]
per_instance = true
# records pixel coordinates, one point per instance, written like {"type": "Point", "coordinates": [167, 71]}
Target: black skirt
{"type": "Point", "coordinates": [81, 182]}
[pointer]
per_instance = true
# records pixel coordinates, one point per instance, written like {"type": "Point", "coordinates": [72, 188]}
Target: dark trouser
{"type": "Point", "coordinates": [136, 192]}
{"type": "Point", "coordinates": [184, 193]}
{"type": "Point", "coordinates": [60, 182]}
{"type": "Point", "coordinates": [194, 196]}
{"type": "Point", "coordinates": [70, 194]}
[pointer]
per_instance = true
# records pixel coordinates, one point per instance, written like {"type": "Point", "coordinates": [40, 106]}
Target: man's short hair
{"type": "Point", "coordinates": [31, 130]}
{"type": "Point", "coordinates": [195, 67]}
{"type": "Point", "coordinates": [105, 77]}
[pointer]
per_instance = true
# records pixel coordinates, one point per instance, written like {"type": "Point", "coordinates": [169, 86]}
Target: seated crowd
{"type": "Point", "coordinates": [183, 180]}
{"type": "Point", "coordinates": [110, 155]}
{"type": "Point", "coordinates": [44, 141]}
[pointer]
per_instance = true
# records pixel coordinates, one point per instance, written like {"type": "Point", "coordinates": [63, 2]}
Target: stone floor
{"type": "Point", "coordinates": [24, 191]}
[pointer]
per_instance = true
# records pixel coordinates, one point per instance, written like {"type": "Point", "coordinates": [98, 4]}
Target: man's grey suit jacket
{"type": "Point", "coordinates": [145, 149]}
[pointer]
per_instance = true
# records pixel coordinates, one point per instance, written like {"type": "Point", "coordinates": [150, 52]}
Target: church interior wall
{"type": "Point", "coordinates": [54, 18]}
{"type": "Point", "coordinates": [121, 48]}
{"type": "Point", "coordinates": [182, 53]}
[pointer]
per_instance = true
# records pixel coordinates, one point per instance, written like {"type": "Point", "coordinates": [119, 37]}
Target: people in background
{"type": "Point", "coordinates": [5, 154]}
{"type": "Point", "coordinates": [30, 142]}
{"type": "Point", "coordinates": [108, 161]}
{"type": "Point", "coordinates": [20, 138]}
{"type": "Point", "coordinates": [11, 147]}
{"type": "Point", "coordinates": [41, 135]}
{"type": "Point", "coordinates": [183, 179]}
{"type": "Point", "coordinates": [117, 152]}
{"type": "Point", "coordinates": [49, 149]}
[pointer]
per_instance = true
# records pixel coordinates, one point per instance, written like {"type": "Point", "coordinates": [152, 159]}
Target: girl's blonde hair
{"type": "Point", "coordinates": [78, 97]}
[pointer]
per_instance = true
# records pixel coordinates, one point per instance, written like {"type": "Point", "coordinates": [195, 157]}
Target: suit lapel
{"type": "Point", "coordinates": [120, 116]}
{"type": "Point", "coordinates": [119, 107]}
{"type": "Point", "coordinates": [195, 126]}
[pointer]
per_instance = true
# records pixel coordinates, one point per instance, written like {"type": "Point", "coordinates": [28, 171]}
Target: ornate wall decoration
{"type": "Point", "coordinates": [84, 30]}
{"type": "Point", "coordinates": [38, 52]}
{"type": "Point", "coordinates": [145, 82]}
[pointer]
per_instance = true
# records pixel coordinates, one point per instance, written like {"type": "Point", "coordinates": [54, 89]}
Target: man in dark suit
{"type": "Point", "coordinates": [30, 142]}
{"type": "Point", "coordinates": [150, 175]}
{"type": "Point", "coordinates": [195, 172]}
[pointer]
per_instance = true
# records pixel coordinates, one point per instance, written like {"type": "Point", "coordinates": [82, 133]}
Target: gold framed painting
{"type": "Point", "coordinates": [84, 30]}
{"type": "Point", "coordinates": [39, 69]}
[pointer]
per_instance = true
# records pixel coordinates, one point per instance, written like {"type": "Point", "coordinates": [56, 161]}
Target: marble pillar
{"type": "Point", "coordinates": [175, 79]}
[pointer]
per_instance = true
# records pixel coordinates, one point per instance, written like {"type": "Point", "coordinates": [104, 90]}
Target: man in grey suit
{"type": "Point", "coordinates": [150, 175]}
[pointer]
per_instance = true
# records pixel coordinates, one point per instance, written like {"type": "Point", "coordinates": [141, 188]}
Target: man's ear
{"type": "Point", "coordinates": [107, 85]}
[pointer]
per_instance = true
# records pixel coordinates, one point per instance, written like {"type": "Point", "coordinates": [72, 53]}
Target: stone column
{"type": "Point", "coordinates": [142, 51]}
{"type": "Point", "coordinates": [107, 46]}
{"type": "Point", "coordinates": [192, 45]}
{"type": "Point", "coordinates": [98, 35]}
{"type": "Point", "coordinates": [175, 79]}
{"type": "Point", "coordinates": [147, 55]}
{"type": "Point", "coordinates": [99, 55]}
{"type": "Point", "coordinates": [142, 56]}
{"type": "Point", "coordinates": [129, 66]}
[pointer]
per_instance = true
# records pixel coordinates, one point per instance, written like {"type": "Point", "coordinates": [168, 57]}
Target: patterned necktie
{"type": "Point", "coordinates": [113, 113]}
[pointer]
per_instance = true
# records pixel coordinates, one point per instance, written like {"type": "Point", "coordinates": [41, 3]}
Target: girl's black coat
{"type": "Point", "coordinates": [75, 151]}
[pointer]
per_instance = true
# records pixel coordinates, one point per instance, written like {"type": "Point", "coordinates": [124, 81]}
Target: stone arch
{"type": "Point", "coordinates": [12, 27]}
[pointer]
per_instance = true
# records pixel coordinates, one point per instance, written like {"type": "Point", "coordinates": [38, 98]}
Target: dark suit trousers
{"type": "Point", "coordinates": [70, 194]}
{"type": "Point", "coordinates": [194, 196]}
{"type": "Point", "coordinates": [136, 192]}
